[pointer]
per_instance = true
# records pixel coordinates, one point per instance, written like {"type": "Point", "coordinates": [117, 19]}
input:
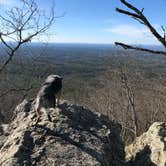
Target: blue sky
{"type": "Point", "coordinates": [95, 21]}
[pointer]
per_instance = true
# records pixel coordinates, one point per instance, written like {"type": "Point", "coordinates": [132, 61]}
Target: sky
{"type": "Point", "coordinates": [96, 21]}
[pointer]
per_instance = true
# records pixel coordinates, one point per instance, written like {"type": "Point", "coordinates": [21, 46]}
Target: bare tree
{"type": "Point", "coordinates": [131, 101]}
{"type": "Point", "coordinates": [138, 15]}
{"type": "Point", "coordinates": [20, 25]}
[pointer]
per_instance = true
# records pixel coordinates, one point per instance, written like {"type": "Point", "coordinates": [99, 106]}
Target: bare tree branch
{"type": "Point", "coordinates": [126, 46]}
{"type": "Point", "coordinates": [141, 18]}
{"type": "Point", "coordinates": [131, 100]}
{"type": "Point", "coordinates": [127, 13]}
{"type": "Point", "coordinates": [163, 29]}
{"type": "Point", "coordinates": [21, 25]}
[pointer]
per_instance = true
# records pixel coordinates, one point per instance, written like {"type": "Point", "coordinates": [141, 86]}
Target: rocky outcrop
{"type": "Point", "coordinates": [72, 135]}
{"type": "Point", "coordinates": [150, 148]}
{"type": "Point", "coordinates": [69, 135]}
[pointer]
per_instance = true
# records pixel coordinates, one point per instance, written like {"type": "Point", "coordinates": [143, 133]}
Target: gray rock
{"type": "Point", "coordinates": [150, 148]}
{"type": "Point", "coordinates": [75, 136]}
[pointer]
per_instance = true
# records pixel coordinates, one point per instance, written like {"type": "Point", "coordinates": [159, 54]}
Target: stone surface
{"type": "Point", "coordinates": [70, 135]}
{"type": "Point", "coordinates": [150, 148]}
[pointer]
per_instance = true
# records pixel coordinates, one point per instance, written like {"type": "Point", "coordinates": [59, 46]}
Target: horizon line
{"type": "Point", "coordinates": [88, 43]}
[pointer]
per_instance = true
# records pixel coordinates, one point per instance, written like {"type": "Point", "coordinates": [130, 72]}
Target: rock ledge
{"type": "Point", "coordinates": [73, 136]}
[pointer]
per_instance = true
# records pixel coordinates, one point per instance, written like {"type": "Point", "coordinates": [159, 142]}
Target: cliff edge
{"type": "Point", "coordinates": [71, 135]}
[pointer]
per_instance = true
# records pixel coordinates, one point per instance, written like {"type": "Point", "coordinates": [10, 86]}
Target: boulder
{"type": "Point", "coordinates": [150, 148]}
{"type": "Point", "coordinates": [69, 135]}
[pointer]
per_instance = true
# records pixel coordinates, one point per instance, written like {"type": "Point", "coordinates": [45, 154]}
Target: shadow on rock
{"type": "Point", "coordinates": [142, 158]}
{"type": "Point", "coordinates": [90, 132]}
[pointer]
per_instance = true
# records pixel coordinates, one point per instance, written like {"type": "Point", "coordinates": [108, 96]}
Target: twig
{"type": "Point", "coordinates": [141, 18]}
{"type": "Point", "coordinates": [126, 46]}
